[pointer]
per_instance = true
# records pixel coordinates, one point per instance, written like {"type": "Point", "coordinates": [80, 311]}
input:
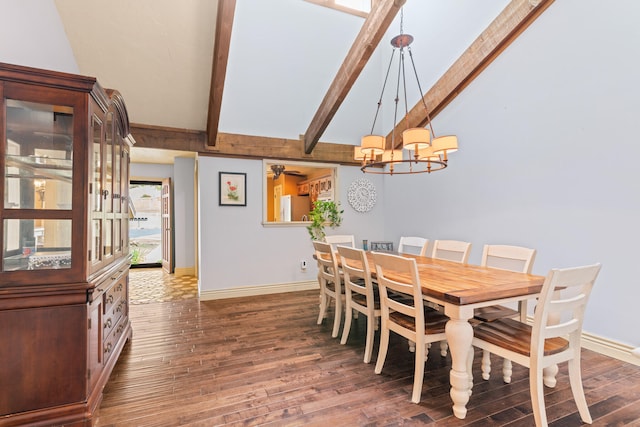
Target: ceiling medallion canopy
{"type": "Point", "coordinates": [425, 151]}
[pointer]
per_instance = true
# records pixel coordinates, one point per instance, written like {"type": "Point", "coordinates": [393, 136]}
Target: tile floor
{"type": "Point", "coordinates": [148, 285]}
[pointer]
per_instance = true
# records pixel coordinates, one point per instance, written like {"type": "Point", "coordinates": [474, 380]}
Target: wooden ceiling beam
{"type": "Point", "coordinates": [224, 25]}
{"type": "Point", "coordinates": [262, 147]}
{"type": "Point", "coordinates": [372, 31]}
{"type": "Point", "coordinates": [507, 26]}
{"type": "Point", "coordinates": [239, 146]}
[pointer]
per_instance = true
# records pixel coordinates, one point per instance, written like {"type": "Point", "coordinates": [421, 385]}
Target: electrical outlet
{"type": "Point", "coordinates": [303, 264]}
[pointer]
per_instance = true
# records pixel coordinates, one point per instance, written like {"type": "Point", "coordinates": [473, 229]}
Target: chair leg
{"type": "Point", "coordinates": [418, 374]}
{"type": "Point", "coordinates": [382, 351]}
{"type": "Point", "coordinates": [486, 364]}
{"type": "Point", "coordinates": [368, 347]}
{"type": "Point", "coordinates": [537, 396]}
{"type": "Point", "coordinates": [507, 370]}
{"type": "Point", "coordinates": [323, 307]}
{"type": "Point", "coordinates": [347, 325]}
{"type": "Point", "coordinates": [549, 375]}
{"type": "Point", "coordinates": [575, 379]}
{"type": "Point", "coordinates": [337, 318]}
{"type": "Point", "coordinates": [444, 346]}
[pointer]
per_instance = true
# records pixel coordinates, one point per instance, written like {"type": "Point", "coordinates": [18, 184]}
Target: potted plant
{"type": "Point", "coordinates": [324, 212]}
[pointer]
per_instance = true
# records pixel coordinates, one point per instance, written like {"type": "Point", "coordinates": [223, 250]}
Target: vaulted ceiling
{"type": "Point", "coordinates": [253, 78]}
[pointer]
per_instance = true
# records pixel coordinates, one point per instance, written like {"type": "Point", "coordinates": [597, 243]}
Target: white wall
{"type": "Point", "coordinates": [32, 34]}
{"type": "Point", "coordinates": [150, 171]}
{"type": "Point", "coordinates": [236, 250]}
{"type": "Point", "coordinates": [548, 157]}
{"type": "Point", "coordinates": [183, 212]}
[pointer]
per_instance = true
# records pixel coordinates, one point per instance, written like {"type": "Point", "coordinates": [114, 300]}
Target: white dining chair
{"type": "Point", "coordinates": [413, 245]}
{"type": "Point", "coordinates": [554, 337]}
{"type": "Point", "coordinates": [330, 284]}
{"type": "Point", "coordinates": [511, 258]}
{"type": "Point", "coordinates": [341, 239]}
{"type": "Point", "coordinates": [360, 295]}
{"type": "Point", "coordinates": [451, 250]}
{"type": "Point", "coordinates": [406, 316]}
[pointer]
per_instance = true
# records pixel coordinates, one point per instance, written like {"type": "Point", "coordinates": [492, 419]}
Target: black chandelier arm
{"type": "Point", "coordinates": [397, 99]}
{"type": "Point", "coordinates": [415, 72]}
{"type": "Point", "coordinates": [404, 84]}
{"type": "Point", "coordinates": [384, 85]}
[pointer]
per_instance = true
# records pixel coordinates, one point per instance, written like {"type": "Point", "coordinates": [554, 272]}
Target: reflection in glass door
{"type": "Point", "coordinates": [144, 227]}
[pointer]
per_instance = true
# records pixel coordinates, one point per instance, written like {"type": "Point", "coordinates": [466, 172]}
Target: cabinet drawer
{"type": "Point", "coordinates": [109, 344]}
{"type": "Point", "coordinates": [115, 293]}
{"type": "Point", "coordinates": [113, 316]}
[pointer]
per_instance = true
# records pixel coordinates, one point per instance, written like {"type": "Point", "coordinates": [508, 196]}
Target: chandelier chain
{"type": "Point", "coordinates": [384, 85]}
{"type": "Point", "coordinates": [415, 72]}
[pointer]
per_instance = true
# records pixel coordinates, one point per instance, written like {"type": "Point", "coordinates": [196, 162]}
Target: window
{"type": "Point", "coordinates": [291, 188]}
{"type": "Point", "coordinates": [354, 7]}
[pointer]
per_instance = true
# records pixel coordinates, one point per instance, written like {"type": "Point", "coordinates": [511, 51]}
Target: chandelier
{"type": "Point", "coordinates": [425, 152]}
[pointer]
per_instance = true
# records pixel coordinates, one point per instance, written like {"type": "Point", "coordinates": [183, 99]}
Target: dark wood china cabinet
{"type": "Point", "coordinates": [64, 290]}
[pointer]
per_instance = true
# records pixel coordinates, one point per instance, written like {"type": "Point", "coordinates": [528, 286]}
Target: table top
{"type": "Point", "coordinates": [463, 284]}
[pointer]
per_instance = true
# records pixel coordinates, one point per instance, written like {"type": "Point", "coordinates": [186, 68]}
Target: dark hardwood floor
{"type": "Point", "coordinates": [264, 361]}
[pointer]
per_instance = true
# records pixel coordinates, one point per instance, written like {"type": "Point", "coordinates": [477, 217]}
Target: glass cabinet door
{"type": "Point", "coordinates": [117, 194]}
{"type": "Point", "coordinates": [117, 161]}
{"type": "Point", "coordinates": [127, 214]}
{"type": "Point", "coordinates": [108, 164]}
{"type": "Point", "coordinates": [38, 174]}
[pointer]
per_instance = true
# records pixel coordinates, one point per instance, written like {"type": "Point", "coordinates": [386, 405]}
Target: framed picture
{"type": "Point", "coordinates": [233, 189]}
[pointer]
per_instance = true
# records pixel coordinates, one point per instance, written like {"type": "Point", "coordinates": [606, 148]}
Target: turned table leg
{"type": "Point", "coordinates": [459, 336]}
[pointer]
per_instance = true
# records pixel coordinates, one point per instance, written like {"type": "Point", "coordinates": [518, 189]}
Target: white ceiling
{"type": "Point", "coordinates": [157, 53]}
{"type": "Point", "coordinates": [283, 56]}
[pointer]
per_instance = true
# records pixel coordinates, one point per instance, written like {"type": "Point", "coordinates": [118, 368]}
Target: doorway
{"type": "Point", "coordinates": [145, 238]}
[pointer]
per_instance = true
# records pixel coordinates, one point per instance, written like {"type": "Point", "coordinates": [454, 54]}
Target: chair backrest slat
{"type": "Point", "coordinates": [357, 275]}
{"type": "Point", "coordinates": [451, 250]}
{"type": "Point", "coordinates": [341, 239]}
{"type": "Point", "coordinates": [506, 257]}
{"type": "Point", "coordinates": [562, 303]}
{"type": "Point", "coordinates": [413, 245]}
{"type": "Point", "coordinates": [327, 265]}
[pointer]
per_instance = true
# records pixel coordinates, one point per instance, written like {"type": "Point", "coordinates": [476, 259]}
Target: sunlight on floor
{"type": "Point", "coordinates": [148, 285]}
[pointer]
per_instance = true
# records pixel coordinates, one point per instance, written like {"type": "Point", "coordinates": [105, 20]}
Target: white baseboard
{"type": "Point", "coordinates": [184, 271]}
{"type": "Point", "coordinates": [258, 290]}
{"type": "Point", "coordinates": [611, 348]}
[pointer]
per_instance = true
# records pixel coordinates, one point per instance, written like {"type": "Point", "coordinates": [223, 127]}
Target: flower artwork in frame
{"type": "Point", "coordinates": [233, 189]}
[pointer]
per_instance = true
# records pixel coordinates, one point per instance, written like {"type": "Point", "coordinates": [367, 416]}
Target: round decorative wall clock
{"type": "Point", "coordinates": [362, 195]}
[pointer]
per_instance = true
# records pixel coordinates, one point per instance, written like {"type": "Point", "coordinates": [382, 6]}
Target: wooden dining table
{"type": "Point", "coordinates": [460, 289]}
